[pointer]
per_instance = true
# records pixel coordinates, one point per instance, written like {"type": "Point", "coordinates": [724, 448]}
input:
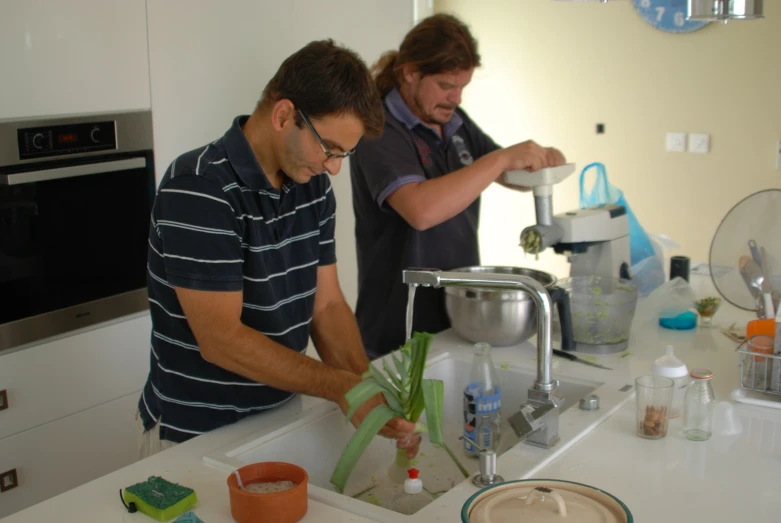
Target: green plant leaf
{"type": "Point", "coordinates": [434, 397]}
{"type": "Point", "coordinates": [400, 367]}
{"type": "Point", "coordinates": [369, 428]}
{"type": "Point", "coordinates": [392, 376]}
{"type": "Point", "coordinates": [359, 394]}
{"type": "Point", "coordinates": [420, 345]}
{"type": "Point", "coordinates": [392, 395]}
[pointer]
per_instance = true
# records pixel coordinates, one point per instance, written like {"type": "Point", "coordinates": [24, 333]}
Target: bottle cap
{"type": "Point", "coordinates": [701, 374]}
{"type": "Point", "coordinates": [669, 366]}
{"type": "Point", "coordinates": [413, 485]}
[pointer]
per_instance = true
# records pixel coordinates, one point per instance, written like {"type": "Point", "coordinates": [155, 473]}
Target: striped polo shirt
{"type": "Point", "coordinates": [218, 225]}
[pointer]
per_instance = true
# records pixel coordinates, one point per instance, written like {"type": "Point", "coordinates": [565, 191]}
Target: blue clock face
{"type": "Point", "coordinates": [667, 15]}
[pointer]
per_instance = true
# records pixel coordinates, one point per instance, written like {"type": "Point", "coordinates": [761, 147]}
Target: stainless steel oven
{"type": "Point", "coordinates": [75, 199]}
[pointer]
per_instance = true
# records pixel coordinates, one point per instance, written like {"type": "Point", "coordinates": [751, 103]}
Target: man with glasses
{"type": "Point", "coordinates": [416, 190]}
{"type": "Point", "coordinates": [242, 265]}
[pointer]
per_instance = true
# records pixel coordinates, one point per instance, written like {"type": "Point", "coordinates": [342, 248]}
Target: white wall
{"type": "Point", "coordinates": [209, 65]}
{"type": "Point", "coordinates": [552, 70]}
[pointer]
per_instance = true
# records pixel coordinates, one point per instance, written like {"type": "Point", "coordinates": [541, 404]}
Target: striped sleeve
{"type": "Point", "coordinates": [327, 217]}
{"type": "Point", "coordinates": [199, 235]}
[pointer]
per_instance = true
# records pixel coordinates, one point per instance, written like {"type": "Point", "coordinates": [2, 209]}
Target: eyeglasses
{"type": "Point", "coordinates": [328, 154]}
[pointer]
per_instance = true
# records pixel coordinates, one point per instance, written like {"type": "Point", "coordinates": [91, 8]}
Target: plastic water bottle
{"type": "Point", "coordinates": [482, 401]}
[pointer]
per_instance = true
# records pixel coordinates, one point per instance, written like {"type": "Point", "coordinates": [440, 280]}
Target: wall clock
{"type": "Point", "coordinates": [667, 15]}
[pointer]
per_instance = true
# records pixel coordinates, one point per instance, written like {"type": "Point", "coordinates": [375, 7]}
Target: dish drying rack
{"type": "Point", "coordinates": [760, 378]}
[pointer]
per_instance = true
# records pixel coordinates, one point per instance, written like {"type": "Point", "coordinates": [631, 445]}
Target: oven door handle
{"type": "Point", "coordinates": [72, 171]}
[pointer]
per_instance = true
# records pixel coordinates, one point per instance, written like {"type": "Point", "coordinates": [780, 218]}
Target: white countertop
{"type": "Point", "coordinates": [669, 478]}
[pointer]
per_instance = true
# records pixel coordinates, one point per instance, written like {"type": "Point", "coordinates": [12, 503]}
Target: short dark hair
{"type": "Point", "coordinates": [438, 44]}
{"type": "Point", "coordinates": [323, 79]}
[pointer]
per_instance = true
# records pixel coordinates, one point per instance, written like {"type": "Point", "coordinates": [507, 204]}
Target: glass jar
{"type": "Point", "coordinates": [698, 406]}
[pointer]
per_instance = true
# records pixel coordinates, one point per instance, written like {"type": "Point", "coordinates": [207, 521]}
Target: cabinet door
{"type": "Point", "coordinates": [47, 382]}
{"type": "Point", "coordinates": [59, 456]}
{"type": "Point", "coordinates": [73, 56]}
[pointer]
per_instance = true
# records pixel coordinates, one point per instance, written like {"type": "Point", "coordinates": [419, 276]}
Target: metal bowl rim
{"type": "Point", "coordinates": [475, 293]}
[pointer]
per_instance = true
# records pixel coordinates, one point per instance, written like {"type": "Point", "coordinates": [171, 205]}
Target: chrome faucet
{"type": "Point", "coordinates": [537, 421]}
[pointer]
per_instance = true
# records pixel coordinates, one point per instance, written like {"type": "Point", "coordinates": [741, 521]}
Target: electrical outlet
{"type": "Point", "coordinates": [699, 143]}
{"type": "Point", "coordinates": [676, 142]}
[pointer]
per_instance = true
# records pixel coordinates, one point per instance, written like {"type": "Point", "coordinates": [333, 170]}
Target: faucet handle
{"type": "Point", "coordinates": [473, 442]}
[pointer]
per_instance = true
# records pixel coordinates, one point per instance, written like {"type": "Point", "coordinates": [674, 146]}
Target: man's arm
{"type": "Point", "coordinates": [426, 204]}
{"type": "Point", "coordinates": [334, 330]}
{"type": "Point", "coordinates": [215, 319]}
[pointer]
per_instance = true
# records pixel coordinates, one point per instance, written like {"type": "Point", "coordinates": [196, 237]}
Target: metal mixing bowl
{"type": "Point", "coordinates": [501, 318]}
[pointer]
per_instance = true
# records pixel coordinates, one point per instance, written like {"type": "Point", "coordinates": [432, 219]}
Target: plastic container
{"type": "Point", "coordinates": [414, 496]}
{"type": "Point", "coordinates": [671, 367]}
{"type": "Point", "coordinates": [482, 402]}
{"type": "Point", "coordinates": [287, 506]}
{"type": "Point", "coordinates": [682, 322]}
{"type": "Point", "coordinates": [654, 402]}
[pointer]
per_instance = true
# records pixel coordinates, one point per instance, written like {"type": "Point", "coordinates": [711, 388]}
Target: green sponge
{"type": "Point", "coordinates": [160, 499]}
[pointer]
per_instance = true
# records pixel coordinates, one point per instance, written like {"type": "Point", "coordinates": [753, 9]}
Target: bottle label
{"type": "Point", "coordinates": [481, 416]}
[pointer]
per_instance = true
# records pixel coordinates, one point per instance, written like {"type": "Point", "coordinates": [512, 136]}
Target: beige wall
{"type": "Point", "coordinates": [552, 70]}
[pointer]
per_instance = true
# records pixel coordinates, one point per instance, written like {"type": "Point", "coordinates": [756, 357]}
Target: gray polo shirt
{"type": "Point", "coordinates": [409, 151]}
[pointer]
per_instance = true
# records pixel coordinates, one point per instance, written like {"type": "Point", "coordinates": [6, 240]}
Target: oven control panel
{"type": "Point", "coordinates": [58, 140]}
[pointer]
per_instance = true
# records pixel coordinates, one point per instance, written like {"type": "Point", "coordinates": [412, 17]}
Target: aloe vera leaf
{"type": "Point", "coordinates": [422, 343]}
{"type": "Point", "coordinates": [400, 367]}
{"type": "Point", "coordinates": [434, 397]}
{"type": "Point", "coordinates": [416, 408]}
{"type": "Point", "coordinates": [392, 376]}
{"type": "Point", "coordinates": [359, 394]}
{"type": "Point", "coordinates": [384, 382]}
{"type": "Point", "coordinates": [363, 435]}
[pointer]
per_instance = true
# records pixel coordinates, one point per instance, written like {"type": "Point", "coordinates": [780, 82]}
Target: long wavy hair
{"type": "Point", "coordinates": [437, 44]}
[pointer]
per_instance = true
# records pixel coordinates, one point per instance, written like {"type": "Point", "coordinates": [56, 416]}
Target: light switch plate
{"type": "Point", "coordinates": [676, 142]}
{"type": "Point", "coordinates": [699, 143]}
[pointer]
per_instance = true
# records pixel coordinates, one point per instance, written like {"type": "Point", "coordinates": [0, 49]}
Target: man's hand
{"type": "Point", "coordinates": [530, 156]}
{"type": "Point", "coordinates": [398, 428]}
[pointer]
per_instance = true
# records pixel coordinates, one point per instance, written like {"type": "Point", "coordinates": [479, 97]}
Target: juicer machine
{"type": "Point", "coordinates": [595, 239]}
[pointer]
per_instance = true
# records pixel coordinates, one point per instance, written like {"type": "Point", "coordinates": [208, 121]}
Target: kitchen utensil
{"type": "Point", "coordinates": [507, 317]}
{"type": "Point", "coordinates": [767, 270]}
{"type": "Point", "coordinates": [544, 499]}
{"type": "Point", "coordinates": [756, 218]}
{"type": "Point", "coordinates": [572, 357]}
{"type": "Point", "coordinates": [756, 278]}
{"type": "Point", "coordinates": [287, 506]}
{"type": "Point", "coordinates": [602, 312]}
{"type": "Point", "coordinates": [752, 245]}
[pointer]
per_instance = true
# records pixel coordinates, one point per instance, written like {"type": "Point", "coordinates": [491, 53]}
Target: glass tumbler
{"type": "Point", "coordinates": [654, 404]}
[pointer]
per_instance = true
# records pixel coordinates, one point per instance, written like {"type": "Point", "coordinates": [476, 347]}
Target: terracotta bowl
{"type": "Point", "coordinates": [287, 506]}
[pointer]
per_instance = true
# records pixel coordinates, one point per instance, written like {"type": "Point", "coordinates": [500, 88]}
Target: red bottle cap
{"type": "Point", "coordinates": [413, 473]}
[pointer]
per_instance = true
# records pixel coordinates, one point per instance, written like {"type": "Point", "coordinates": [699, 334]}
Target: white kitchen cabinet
{"type": "Point", "coordinates": [62, 377]}
{"type": "Point", "coordinates": [69, 410]}
{"type": "Point", "coordinates": [72, 56]}
{"type": "Point", "coordinates": [64, 454]}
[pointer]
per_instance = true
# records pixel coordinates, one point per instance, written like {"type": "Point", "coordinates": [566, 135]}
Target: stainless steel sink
{"type": "Point", "coordinates": [316, 443]}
